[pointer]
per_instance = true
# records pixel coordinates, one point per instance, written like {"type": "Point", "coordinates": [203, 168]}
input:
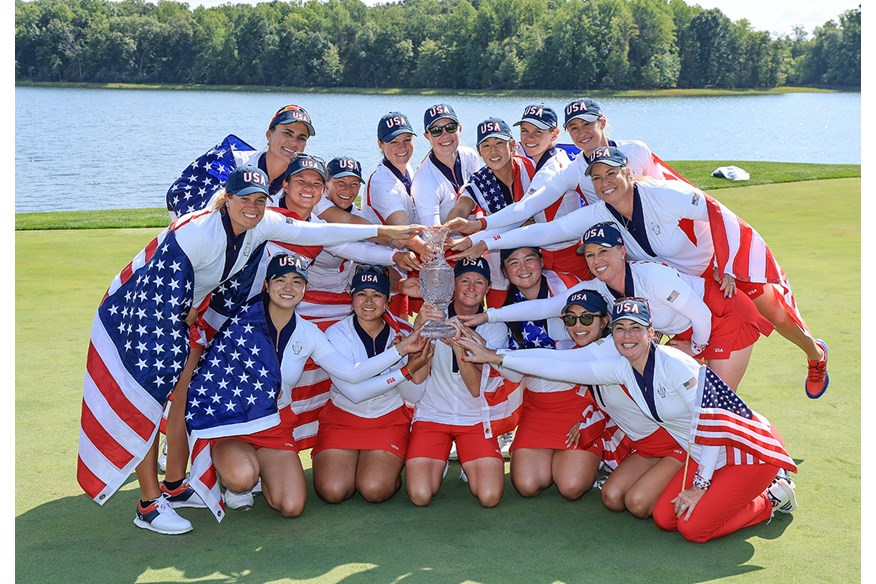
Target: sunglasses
{"type": "Point", "coordinates": [436, 131]}
{"type": "Point", "coordinates": [373, 268]}
{"type": "Point", "coordinates": [570, 319]}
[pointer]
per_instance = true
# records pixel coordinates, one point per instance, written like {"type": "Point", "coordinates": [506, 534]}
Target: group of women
{"type": "Point", "coordinates": [595, 251]}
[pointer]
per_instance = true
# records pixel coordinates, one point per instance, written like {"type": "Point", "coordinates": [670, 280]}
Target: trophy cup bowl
{"type": "Point", "coordinates": [436, 284]}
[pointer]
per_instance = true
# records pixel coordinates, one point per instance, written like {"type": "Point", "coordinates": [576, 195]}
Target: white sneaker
{"type": "Point", "coordinates": [781, 495]}
{"type": "Point", "coordinates": [462, 476]}
{"type": "Point", "coordinates": [505, 441]}
{"type": "Point", "coordinates": [239, 501]}
{"type": "Point", "coordinates": [257, 489]}
{"type": "Point", "coordinates": [162, 457]}
{"type": "Point", "coordinates": [160, 517]}
{"type": "Point", "coordinates": [453, 454]}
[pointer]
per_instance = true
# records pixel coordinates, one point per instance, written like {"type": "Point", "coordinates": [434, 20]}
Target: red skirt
{"type": "Point", "coordinates": [342, 430]}
{"type": "Point", "coordinates": [659, 444]}
{"type": "Point", "coordinates": [279, 437]}
{"type": "Point", "coordinates": [547, 419]}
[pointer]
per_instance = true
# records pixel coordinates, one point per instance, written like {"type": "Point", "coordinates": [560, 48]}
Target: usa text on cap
{"type": "Point", "coordinates": [344, 166]}
{"type": "Point", "coordinates": [373, 277]}
{"type": "Point", "coordinates": [393, 124]}
{"type": "Point", "coordinates": [303, 162]}
{"type": "Point", "coordinates": [437, 112]}
{"type": "Point", "coordinates": [540, 116]}
{"type": "Point", "coordinates": [604, 234]}
{"type": "Point", "coordinates": [584, 108]}
{"type": "Point", "coordinates": [284, 263]}
{"type": "Point", "coordinates": [588, 300]}
{"type": "Point", "coordinates": [478, 265]}
{"type": "Point", "coordinates": [289, 114]}
{"type": "Point", "coordinates": [607, 155]}
{"type": "Point", "coordinates": [247, 179]}
{"type": "Point", "coordinates": [634, 309]}
{"type": "Point", "coordinates": [494, 128]}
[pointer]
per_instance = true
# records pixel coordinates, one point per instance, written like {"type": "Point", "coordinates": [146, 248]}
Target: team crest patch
{"type": "Point", "coordinates": [661, 390]}
{"type": "Point", "coordinates": [297, 348]}
{"type": "Point", "coordinates": [695, 198]}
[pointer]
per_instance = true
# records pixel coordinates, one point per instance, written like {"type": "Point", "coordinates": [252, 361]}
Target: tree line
{"type": "Point", "coordinates": [458, 44]}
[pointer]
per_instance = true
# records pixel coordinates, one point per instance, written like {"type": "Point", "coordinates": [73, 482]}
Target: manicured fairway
{"type": "Point", "coordinates": [813, 229]}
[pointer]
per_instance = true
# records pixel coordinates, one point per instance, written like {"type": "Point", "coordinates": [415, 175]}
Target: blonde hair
{"type": "Point", "coordinates": [219, 199]}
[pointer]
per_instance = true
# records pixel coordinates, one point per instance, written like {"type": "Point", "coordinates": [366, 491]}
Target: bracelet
{"type": "Point", "coordinates": [483, 221]}
{"type": "Point", "coordinates": [697, 348]}
{"type": "Point", "coordinates": [501, 362]}
{"type": "Point", "coordinates": [701, 483]}
{"type": "Point", "coordinates": [407, 372]}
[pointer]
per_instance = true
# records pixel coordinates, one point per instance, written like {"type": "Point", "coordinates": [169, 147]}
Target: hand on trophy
{"type": "Point", "coordinates": [470, 251]}
{"type": "Point", "coordinates": [463, 226]}
{"type": "Point", "coordinates": [407, 260]}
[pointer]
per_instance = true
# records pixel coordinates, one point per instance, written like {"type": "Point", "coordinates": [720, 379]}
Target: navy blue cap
{"type": "Point", "coordinates": [247, 179]}
{"type": "Point", "coordinates": [607, 155]}
{"type": "Point", "coordinates": [539, 116]}
{"type": "Point", "coordinates": [344, 166]}
{"type": "Point", "coordinates": [289, 114]}
{"type": "Point", "coordinates": [373, 277]}
{"type": "Point", "coordinates": [284, 263]}
{"type": "Point", "coordinates": [437, 112]}
{"type": "Point", "coordinates": [605, 234]}
{"type": "Point", "coordinates": [494, 128]}
{"type": "Point", "coordinates": [303, 162]}
{"type": "Point", "coordinates": [634, 309]}
{"type": "Point", "coordinates": [588, 300]}
{"type": "Point", "coordinates": [392, 125]}
{"type": "Point", "coordinates": [584, 108]}
{"type": "Point", "coordinates": [478, 265]}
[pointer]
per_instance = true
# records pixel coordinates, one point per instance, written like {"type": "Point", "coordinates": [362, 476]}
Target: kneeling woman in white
{"type": "Point", "coordinates": [364, 428]}
{"type": "Point", "coordinates": [272, 454]}
{"type": "Point", "coordinates": [732, 487]}
{"type": "Point", "coordinates": [454, 405]}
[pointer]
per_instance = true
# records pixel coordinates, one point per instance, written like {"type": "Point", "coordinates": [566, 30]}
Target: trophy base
{"type": "Point", "coordinates": [438, 330]}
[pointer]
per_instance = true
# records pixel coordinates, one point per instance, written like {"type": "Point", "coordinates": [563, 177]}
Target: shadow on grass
{"type": "Point", "coordinates": [545, 539]}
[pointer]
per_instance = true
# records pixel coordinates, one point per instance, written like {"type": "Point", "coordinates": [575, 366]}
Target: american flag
{"type": "Point", "coordinates": [597, 427]}
{"type": "Point", "coordinates": [233, 392]}
{"type": "Point", "coordinates": [138, 347]}
{"type": "Point", "coordinates": [739, 248]}
{"type": "Point", "coordinates": [203, 177]}
{"type": "Point", "coordinates": [485, 181]}
{"type": "Point", "coordinates": [723, 419]}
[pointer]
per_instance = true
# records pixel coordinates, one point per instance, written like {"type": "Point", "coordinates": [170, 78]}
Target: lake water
{"type": "Point", "coordinates": [80, 149]}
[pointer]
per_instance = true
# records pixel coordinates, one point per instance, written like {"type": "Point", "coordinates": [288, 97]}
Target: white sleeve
{"type": "Point", "coordinates": [363, 252]}
{"type": "Point", "coordinates": [569, 227]}
{"type": "Point", "coordinates": [339, 366]}
{"type": "Point", "coordinates": [383, 195]}
{"type": "Point", "coordinates": [426, 200]}
{"type": "Point", "coordinates": [279, 228]}
{"type": "Point", "coordinates": [667, 287]}
{"type": "Point", "coordinates": [528, 310]}
{"type": "Point", "coordinates": [532, 203]}
{"type": "Point", "coordinates": [370, 388]}
{"type": "Point", "coordinates": [543, 363]}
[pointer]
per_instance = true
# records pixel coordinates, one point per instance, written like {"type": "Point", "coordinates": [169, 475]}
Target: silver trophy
{"type": "Point", "coordinates": [436, 284]}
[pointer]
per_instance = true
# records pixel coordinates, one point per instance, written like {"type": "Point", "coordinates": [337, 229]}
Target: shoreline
{"type": "Point", "coordinates": [547, 93]}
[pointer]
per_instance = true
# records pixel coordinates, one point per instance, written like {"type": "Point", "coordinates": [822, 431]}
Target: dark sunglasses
{"type": "Point", "coordinates": [451, 128]}
{"type": "Point", "coordinates": [570, 319]}
{"type": "Point", "coordinates": [374, 268]}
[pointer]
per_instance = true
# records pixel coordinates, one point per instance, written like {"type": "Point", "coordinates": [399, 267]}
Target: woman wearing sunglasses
{"type": "Point", "coordinates": [540, 455]}
{"type": "Point", "coordinates": [727, 485]}
{"type": "Point", "coordinates": [445, 169]}
{"type": "Point", "coordinates": [363, 435]}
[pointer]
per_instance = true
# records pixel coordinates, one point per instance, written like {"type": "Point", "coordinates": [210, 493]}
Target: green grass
{"type": "Point", "coordinates": [486, 92]}
{"type": "Point", "coordinates": [697, 171]}
{"type": "Point", "coordinates": [61, 536]}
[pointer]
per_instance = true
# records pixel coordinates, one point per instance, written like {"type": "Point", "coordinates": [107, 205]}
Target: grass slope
{"type": "Point", "coordinates": [60, 535]}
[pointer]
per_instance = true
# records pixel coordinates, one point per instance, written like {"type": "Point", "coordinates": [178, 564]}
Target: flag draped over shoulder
{"type": "Point", "coordinates": [739, 249]}
{"type": "Point", "coordinates": [138, 347]}
{"type": "Point", "coordinates": [203, 177]}
{"type": "Point", "coordinates": [723, 419]}
{"type": "Point", "coordinates": [233, 393]}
